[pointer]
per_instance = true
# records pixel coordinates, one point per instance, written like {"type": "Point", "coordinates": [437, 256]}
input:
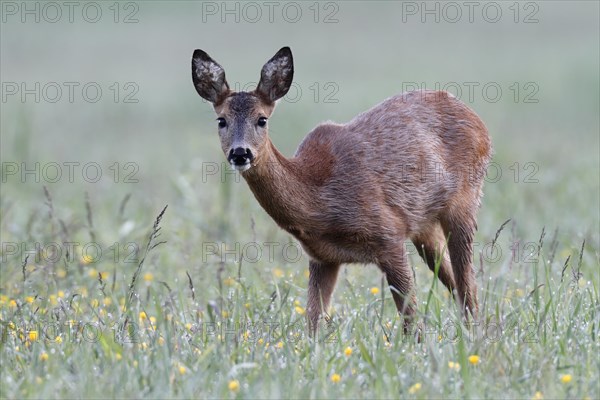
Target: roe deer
{"type": "Point", "coordinates": [411, 167]}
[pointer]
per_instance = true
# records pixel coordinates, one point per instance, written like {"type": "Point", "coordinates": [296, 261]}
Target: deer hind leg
{"type": "Point", "coordinates": [459, 227]}
{"type": "Point", "coordinates": [432, 248]}
{"type": "Point", "coordinates": [399, 276]}
{"type": "Point", "coordinates": [321, 283]}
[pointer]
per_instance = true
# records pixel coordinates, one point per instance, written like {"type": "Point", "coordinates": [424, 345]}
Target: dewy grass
{"type": "Point", "coordinates": [189, 335]}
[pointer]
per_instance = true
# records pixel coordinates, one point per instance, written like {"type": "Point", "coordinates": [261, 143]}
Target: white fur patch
{"type": "Point", "coordinates": [208, 68]}
{"type": "Point", "coordinates": [280, 65]}
{"type": "Point", "coordinates": [241, 168]}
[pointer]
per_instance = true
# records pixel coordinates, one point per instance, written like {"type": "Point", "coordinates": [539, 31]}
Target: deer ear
{"type": "Point", "coordinates": [208, 77]}
{"type": "Point", "coordinates": [276, 76]}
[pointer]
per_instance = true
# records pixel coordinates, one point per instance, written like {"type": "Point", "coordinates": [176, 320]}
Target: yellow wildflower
{"type": "Point", "coordinates": [33, 335]}
{"type": "Point", "coordinates": [335, 378]}
{"type": "Point", "coordinates": [453, 365]}
{"type": "Point", "coordinates": [234, 385]}
{"type": "Point", "coordinates": [374, 290]}
{"type": "Point", "coordinates": [229, 281]}
{"type": "Point", "coordinates": [538, 396]}
{"type": "Point", "coordinates": [300, 310]}
{"type": "Point", "coordinates": [29, 299]}
{"type": "Point", "coordinates": [44, 356]}
{"type": "Point", "coordinates": [566, 378]}
{"type": "Point", "coordinates": [414, 388]}
{"type": "Point", "coordinates": [474, 359]}
{"type": "Point", "coordinates": [278, 272]}
{"type": "Point", "coordinates": [348, 351]}
{"type": "Point", "coordinates": [182, 369]}
{"type": "Point", "coordinates": [148, 277]}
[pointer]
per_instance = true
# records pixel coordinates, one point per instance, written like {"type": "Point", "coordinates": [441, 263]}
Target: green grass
{"type": "Point", "coordinates": [243, 322]}
{"type": "Point", "coordinates": [195, 323]}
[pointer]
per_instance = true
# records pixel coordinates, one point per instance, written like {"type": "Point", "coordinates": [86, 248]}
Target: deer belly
{"type": "Point", "coordinates": [341, 250]}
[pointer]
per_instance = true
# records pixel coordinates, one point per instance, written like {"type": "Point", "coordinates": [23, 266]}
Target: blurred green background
{"type": "Point", "coordinates": [348, 57]}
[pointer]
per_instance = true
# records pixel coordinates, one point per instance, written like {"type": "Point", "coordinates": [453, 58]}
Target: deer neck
{"type": "Point", "coordinates": [278, 186]}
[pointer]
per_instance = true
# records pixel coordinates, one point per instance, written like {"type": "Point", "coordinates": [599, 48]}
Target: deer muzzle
{"type": "Point", "coordinates": [240, 158]}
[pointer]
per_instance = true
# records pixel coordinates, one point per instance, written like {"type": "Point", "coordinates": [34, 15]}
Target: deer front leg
{"type": "Point", "coordinates": [395, 266]}
{"type": "Point", "coordinates": [321, 283]}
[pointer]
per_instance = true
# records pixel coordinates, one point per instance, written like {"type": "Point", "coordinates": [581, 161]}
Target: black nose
{"type": "Point", "coordinates": [240, 156]}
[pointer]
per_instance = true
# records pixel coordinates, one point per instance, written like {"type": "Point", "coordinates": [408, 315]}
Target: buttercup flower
{"type": "Point", "coordinates": [566, 378]}
{"type": "Point", "coordinates": [474, 359]}
{"type": "Point", "coordinates": [453, 365]}
{"type": "Point", "coordinates": [414, 388]}
{"type": "Point", "coordinates": [234, 385]}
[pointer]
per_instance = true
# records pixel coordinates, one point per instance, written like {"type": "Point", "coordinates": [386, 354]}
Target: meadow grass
{"type": "Point", "coordinates": [175, 319]}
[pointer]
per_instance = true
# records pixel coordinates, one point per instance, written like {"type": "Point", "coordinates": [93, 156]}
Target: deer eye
{"type": "Point", "coordinates": [262, 122]}
{"type": "Point", "coordinates": [222, 122]}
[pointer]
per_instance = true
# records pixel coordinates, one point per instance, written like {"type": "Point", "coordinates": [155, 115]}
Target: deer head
{"type": "Point", "coordinates": [242, 116]}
